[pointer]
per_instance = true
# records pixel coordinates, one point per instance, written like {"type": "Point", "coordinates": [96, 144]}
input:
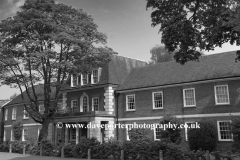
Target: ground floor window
{"type": "Point", "coordinates": [224, 131]}
{"type": "Point", "coordinates": [24, 134]}
{"type": "Point", "coordinates": [128, 128]}
{"type": "Point", "coordinates": [157, 132]}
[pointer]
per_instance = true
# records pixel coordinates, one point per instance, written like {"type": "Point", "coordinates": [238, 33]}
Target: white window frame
{"type": "Point", "coordinates": [6, 114]}
{"type": "Point", "coordinates": [219, 134]}
{"type": "Point", "coordinates": [82, 79]}
{"type": "Point", "coordinates": [72, 81]}
{"type": "Point", "coordinates": [154, 132]}
{"type": "Point", "coordinates": [23, 132]}
{"type": "Point", "coordinates": [93, 109]}
{"type": "Point", "coordinates": [39, 131]}
{"type": "Point", "coordinates": [12, 136]}
{"type": "Point", "coordinates": [41, 105]}
{"type": "Point", "coordinates": [98, 76]}
{"type": "Point", "coordinates": [186, 129]}
{"type": "Point", "coordinates": [14, 113]}
{"type": "Point", "coordinates": [153, 100]}
{"type": "Point", "coordinates": [127, 107]}
{"type": "Point", "coordinates": [128, 128]}
{"type": "Point", "coordinates": [184, 97]}
{"type": "Point", "coordinates": [215, 92]}
{"type": "Point", "coordinates": [72, 104]}
{"type": "Point", "coordinates": [24, 114]}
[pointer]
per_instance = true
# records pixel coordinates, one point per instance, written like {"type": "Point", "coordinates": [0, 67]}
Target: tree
{"type": "Point", "coordinates": [160, 54]}
{"type": "Point", "coordinates": [45, 42]}
{"type": "Point", "coordinates": [171, 134]}
{"type": "Point", "coordinates": [193, 25]}
{"type": "Point", "coordinates": [13, 96]}
{"type": "Point", "coordinates": [17, 130]}
{"type": "Point", "coordinates": [235, 128]}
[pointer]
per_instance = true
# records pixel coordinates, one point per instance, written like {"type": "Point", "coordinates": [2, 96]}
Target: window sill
{"type": "Point", "coordinates": [130, 110]}
{"type": "Point", "coordinates": [25, 118]}
{"type": "Point", "coordinates": [225, 140]}
{"type": "Point", "coordinates": [223, 104]}
{"type": "Point", "coordinates": [158, 108]}
{"type": "Point", "coordinates": [13, 119]}
{"type": "Point", "coordinates": [190, 106]}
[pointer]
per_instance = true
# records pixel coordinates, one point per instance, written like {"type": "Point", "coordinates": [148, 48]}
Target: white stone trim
{"type": "Point", "coordinates": [183, 116]}
{"type": "Point", "coordinates": [26, 125]}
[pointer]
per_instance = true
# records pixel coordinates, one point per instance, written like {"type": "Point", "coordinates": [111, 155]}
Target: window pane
{"type": "Point", "coordinates": [95, 104]}
{"type": "Point", "coordinates": [85, 104]}
{"type": "Point", "coordinates": [189, 97]}
{"type": "Point", "coordinates": [131, 102]}
{"type": "Point", "coordinates": [158, 100]}
{"type": "Point", "coordinates": [225, 132]}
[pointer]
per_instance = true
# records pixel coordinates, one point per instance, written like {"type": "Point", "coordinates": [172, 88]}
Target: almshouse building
{"type": "Point", "coordinates": [129, 91]}
{"type": "Point", "coordinates": [86, 99]}
{"type": "Point", "coordinates": [206, 90]}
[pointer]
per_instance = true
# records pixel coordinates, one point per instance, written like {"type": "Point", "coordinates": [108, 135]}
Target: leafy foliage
{"type": "Point", "coordinates": [160, 54]}
{"type": "Point", "coordinates": [48, 148]}
{"type": "Point", "coordinates": [4, 147]}
{"type": "Point", "coordinates": [17, 130]}
{"type": "Point", "coordinates": [235, 125]}
{"type": "Point", "coordinates": [114, 148]}
{"type": "Point", "coordinates": [203, 138]}
{"type": "Point", "coordinates": [17, 146]}
{"type": "Point", "coordinates": [46, 42]}
{"type": "Point", "coordinates": [188, 26]}
{"type": "Point", "coordinates": [172, 135]}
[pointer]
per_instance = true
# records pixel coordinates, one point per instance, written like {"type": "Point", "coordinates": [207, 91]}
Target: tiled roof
{"type": "Point", "coordinates": [213, 66]}
{"type": "Point", "coordinates": [39, 91]}
{"type": "Point", "coordinates": [116, 71]}
{"type": "Point", "coordinates": [2, 102]}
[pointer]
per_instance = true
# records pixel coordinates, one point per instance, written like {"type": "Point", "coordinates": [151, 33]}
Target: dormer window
{"type": "Point", "coordinates": [96, 73]}
{"type": "Point", "coordinates": [84, 79]}
{"type": "Point", "coordinates": [74, 80]}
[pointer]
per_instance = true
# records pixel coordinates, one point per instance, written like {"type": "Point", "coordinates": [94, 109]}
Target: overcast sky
{"type": "Point", "coordinates": [127, 24]}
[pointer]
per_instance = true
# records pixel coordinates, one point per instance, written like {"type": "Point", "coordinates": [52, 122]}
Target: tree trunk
{"type": "Point", "coordinates": [44, 130]}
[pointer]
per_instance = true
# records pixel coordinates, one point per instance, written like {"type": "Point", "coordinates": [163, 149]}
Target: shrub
{"type": "Point", "coordinates": [17, 146]}
{"type": "Point", "coordinates": [235, 126]}
{"type": "Point", "coordinates": [48, 149]}
{"type": "Point", "coordinates": [69, 150]}
{"type": "Point", "coordinates": [155, 147]}
{"type": "Point", "coordinates": [172, 135]}
{"type": "Point", "coordinates": [202, 138]}
{"type": "Point", "coordinates": [17, 130]}
{"type": "Point", "coordinates": [101, 151]}
{"type": "Point", "coordinates": [4, 147]}
{"type": "Point", "coordinates": [82, 147]}
{"type": "Point", "coordinates": [115, 148]}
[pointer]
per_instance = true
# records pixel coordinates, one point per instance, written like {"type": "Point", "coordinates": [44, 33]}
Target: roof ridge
{"type": "Point", "coordinates": [132, 58]}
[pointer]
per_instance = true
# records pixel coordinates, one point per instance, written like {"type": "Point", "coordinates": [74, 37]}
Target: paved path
{"type": "Point", "coordinates": [16, 156]}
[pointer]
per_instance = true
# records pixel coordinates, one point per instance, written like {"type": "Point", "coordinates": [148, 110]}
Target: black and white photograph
{"type": "Point", "coordinates": [120, 79]}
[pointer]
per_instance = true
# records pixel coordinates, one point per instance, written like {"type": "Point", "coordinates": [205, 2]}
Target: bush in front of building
{"type": "Point", "coordinates": [69, 150]}
{"type": "Point", "coordinates": [48, 148]}
{"type": "Point", "coordinates": [17, 146]}
{"type": "Point", "coordinates": [17, 130]}
{"type": "Point", "coordinates": [4, 147]}
{"type": "Point", "coordinates": [170, 134]}
{"type": "Point", "coordinates": [114, 148]}
{"type": "Point", "coordinates": [235, 128]}
{"type": "Point", "coordinates": [81, 149]}
{"type": "Point", "coordinates": [203, 138]}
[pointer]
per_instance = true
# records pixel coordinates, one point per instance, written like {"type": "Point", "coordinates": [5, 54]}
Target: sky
{"type": "Point", "coordinates": [127, 24]}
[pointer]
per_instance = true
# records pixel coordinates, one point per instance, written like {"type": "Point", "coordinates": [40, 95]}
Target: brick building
{"type": "Point", "coordinates": [205, 90]}
{"type": "Point", "coordinates": [129, 91]}
{"type": "Point", "coordinates": [85, 99]}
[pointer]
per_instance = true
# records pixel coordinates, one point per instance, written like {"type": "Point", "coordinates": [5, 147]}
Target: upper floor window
{"type": "Point", "coordinates": [157, 132]}
{"type": "Point", "coordinates": [95, 103]}
{"type": "Point", "coordinates": [6, 114]}
{"type": "Point", "coordinates": [14, 113]}
{"type": "Point", "coordinates": [85, 104]}
{"type": "Point", "coordinates": [84, 79]}
{"type": "Point", "coordinates": [189, 97]}
{"type": "Point", "coordinates": [74, 105]}
{"type": "Point", "coordinates": [130, 101]}
{"type": "Point", "coordinates": [41, 108]}
{"type": "Point", "coordinates": [224, 131]}
{"type": "Point", "coordinates": [221, 94]}
{"type": "Point", "coordinates": [25, 114]}
{"type": "Point", "coordinates": [24, 134]}
{"type": "Point", "coordinates": [74, 80]}
{"type": "Point", "coordinates": [157, 100]}
{"type": "Point", "coordinates": [96, 73]}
